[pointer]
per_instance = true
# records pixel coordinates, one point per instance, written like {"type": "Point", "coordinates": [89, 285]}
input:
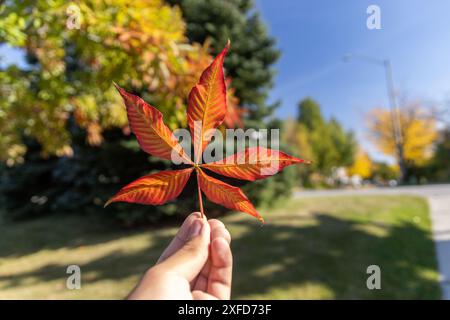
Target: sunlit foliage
{"type": "Point", "coordinates": [418, 132]}
{"type": "Point", "coordinates": [75, 51]}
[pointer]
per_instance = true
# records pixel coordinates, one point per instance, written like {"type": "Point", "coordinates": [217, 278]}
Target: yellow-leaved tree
{"type": "Point", "coordinates": [362, 166]}
{"type": "Point", "coordinates": [418, 133]}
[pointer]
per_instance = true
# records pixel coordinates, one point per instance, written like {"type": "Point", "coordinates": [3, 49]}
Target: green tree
{"type": "Point", "coordinates": [344, 142]}
{"type": "Point", "coordinates": [440, 163]}
{"type": "Point", "coordinates": [331, 146]}
{"type": "Point", "coordinates": [319, 135]}
{"type": "Point", "coordinates": [309, 114]}
{"type": "Point", "coordinates": [295, 135]}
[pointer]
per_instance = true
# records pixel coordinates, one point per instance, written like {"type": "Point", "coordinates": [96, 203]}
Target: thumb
{"type": "Point", "coordinates": [189, 260]}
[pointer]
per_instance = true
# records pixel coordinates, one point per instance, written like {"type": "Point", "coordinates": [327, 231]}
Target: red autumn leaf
{"type": "Point", "coordinates": [228, 196]}
{"type": "Point", "coordinates": [206, 107]}
{"type": "Point", "coordinates": [252, 164]}
{"type": "Point", "coordinates": [207, 104]}
{"type": "Point", "coordinates": [147, 124]}
{"type": "Point", "coordinates": [154, 189]}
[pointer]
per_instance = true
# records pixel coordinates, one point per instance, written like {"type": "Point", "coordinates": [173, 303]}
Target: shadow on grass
{"type": "Point", "coordinates": [331, 252]}
{"type": "Point", "coordinates": [335, 253]}
{"type": "Point", "coordinates": [72, 231]}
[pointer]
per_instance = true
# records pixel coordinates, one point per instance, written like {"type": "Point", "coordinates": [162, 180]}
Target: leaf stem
{"type": "Point", "coordinates": [199, 194]}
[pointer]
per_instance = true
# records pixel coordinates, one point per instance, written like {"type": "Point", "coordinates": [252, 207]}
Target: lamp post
{"type": "Point", "coordinates": [395, 113]}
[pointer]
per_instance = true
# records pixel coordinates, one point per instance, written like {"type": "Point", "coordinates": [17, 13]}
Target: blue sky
{"type": "Point", "coordinates": [314, 36]}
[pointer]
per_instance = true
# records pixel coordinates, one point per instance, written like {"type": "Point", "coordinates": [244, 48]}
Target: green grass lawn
{"type": "Point", "coordinates": [317, 248]}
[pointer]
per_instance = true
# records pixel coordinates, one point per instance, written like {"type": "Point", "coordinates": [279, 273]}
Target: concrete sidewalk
{"type": "Point", "coordinates": [438, 197]}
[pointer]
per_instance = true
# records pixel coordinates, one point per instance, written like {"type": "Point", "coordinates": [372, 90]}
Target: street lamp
{"type": "Point", "coordinates": [395, 113]}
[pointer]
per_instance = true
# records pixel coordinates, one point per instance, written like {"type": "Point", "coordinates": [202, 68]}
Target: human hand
{"type": "Point", "coordinates": [197, 264]}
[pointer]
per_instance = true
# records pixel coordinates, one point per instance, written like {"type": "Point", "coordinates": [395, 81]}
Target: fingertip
{"type": "Point", "coordinates": [214, 223]}
{"type": "Point", "coordinates": [206, 230]}
{"type": "Point", "coordinates": [190, 218]}
{"type": "Point", "coordinates": [184, 231]}
{"type": "Point", "coordinates": [218, 230]}
{"type": "Point", "coordinates": [195, 215]}
{"type": "Point", "coordinates": [199, 227]}
{"type": "Point", "coordinates": [221, 252]}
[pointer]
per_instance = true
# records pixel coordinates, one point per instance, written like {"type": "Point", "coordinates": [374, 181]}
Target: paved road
{"type": "Point", "coordinates": [439, 200]}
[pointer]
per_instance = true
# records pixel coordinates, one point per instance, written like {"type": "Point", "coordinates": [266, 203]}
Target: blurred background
{"type": "Point", "coordinates": [362, 91]}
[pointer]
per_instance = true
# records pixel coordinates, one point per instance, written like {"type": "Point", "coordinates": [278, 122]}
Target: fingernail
{"type": "Point", "coordinates": [196, 228]}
